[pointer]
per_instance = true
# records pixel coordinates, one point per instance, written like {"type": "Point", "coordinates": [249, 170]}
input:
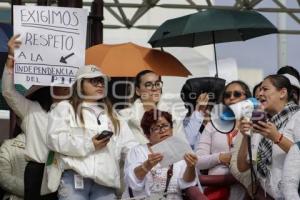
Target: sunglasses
{"type": "Point", "coordinates": [96, 81]}
{"type": "Point", "coordinates": [149, 85]}
{"type": "Point", "coordinates": [236, 94]}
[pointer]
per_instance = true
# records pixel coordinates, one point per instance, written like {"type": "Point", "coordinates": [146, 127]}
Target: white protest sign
{"type": "Point", "coordinates": [53, 44]}
{"type": "Point", "coordinates": [227, 69]}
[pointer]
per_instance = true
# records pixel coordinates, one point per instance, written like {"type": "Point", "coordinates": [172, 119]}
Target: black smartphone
{"type": "Point", "coordinates": [258, 115]}
{"type": "Point", "coordinates": [104, 134]}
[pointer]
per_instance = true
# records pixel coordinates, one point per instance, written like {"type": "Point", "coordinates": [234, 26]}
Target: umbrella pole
{"type": "Point", "coordinates": [215, 52]}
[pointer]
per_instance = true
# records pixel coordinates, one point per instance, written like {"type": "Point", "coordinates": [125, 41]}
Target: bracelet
{"type": "Point", "coordinates": [279, 139]}
{"type": "Point", "coordinates": [144, 168]}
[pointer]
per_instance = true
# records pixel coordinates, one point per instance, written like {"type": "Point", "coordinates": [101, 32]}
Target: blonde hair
{"type": "Point", "coordinates": [76, 101]}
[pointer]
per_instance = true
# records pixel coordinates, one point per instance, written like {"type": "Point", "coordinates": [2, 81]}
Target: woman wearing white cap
{"type": "Point", "coordinates": [90, 162]}
{"type": "Point", "coordinates": [33, 114]}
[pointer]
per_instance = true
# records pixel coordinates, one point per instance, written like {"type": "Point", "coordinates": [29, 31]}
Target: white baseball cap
{"type": "Point", "coordinates": [89, 71]}
{"type": "Point", "coordinates": [293, 80]}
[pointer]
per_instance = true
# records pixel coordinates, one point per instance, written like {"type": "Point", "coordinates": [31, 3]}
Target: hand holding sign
{"type": "Point", "coordinates": [13, 44]}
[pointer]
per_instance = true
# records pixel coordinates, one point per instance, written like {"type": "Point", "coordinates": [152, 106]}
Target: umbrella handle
{"type": "Point", "coordinates": [215, 53]}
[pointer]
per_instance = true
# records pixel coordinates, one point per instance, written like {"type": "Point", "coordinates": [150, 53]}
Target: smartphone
{"type": "Point", "coordinates": [258, 115]}
{"type": "Point", "coordinates": [104, 134]}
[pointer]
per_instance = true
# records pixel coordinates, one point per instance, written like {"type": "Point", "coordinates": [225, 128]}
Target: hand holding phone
{"type": "Point", "coordinates": [104, 134]}
{"type": "Point", "coordinates": [258, 115]}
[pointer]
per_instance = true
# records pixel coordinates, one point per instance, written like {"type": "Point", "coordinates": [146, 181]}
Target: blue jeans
{"type": "Point", "coordinates": [91, 190]}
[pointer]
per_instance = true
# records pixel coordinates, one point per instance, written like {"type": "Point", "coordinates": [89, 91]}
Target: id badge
{"type": "Point", "coordinates": [78, 181]}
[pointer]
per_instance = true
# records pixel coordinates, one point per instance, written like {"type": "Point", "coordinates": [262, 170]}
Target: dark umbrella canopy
{"type": "Point", "coordinates": [211, 26]}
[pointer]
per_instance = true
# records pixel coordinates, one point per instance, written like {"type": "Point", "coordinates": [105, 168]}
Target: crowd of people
{"type": "Point", "coordinates": [73, 145]}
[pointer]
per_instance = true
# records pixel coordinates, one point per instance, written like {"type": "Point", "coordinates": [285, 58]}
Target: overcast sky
{"type": "Point", "coordinates": [261, 52]}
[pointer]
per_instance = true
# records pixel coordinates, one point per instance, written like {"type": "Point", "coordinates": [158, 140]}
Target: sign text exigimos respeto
{"type": "Point", "coordinates": [53, 44]}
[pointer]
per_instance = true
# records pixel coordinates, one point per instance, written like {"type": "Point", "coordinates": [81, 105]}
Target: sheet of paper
{"type": "Point", "coordinates": [227, 69]}
{"type": "Point", "coordinates": [172, 149]}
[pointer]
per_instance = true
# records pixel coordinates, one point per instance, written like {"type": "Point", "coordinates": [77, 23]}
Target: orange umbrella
{"type": "Point", "coordinates": [128, 59]}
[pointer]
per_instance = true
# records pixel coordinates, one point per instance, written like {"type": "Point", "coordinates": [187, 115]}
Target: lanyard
{"type": "Point", "coordinates": [230, 137]}
{"type": "Point", "coordinates": [169, 176]}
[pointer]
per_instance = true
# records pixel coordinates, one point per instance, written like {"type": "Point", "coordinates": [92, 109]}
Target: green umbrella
{"type": "Point", "coordinates": [211, 26]}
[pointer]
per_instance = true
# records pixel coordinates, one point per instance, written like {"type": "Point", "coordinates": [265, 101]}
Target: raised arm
{"type": "Point", "coordinates": [242, 163]}
{"type": "Point", "coordinates": [18, 103]}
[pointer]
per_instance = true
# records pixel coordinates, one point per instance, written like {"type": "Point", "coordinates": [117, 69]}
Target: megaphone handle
{"type": "Point", "coordinates": [249, 132]}
{"type": "Point", "coordinates": [253, 176]}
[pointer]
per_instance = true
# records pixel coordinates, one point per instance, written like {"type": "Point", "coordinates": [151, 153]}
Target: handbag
{"type": "Point", "coordinates": [218, 186]}
{"type": "Point", "coordinates": [217, 193]}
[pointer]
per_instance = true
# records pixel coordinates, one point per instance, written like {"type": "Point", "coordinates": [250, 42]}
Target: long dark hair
{"type": "Point", "coordinates": [240, 83]}
{"type": "Point", "coordinates": [257, 86]}
{"type": "Point", "coordinates": [76, 101]}
{"type": "Point", "coordinates": [43, 97]}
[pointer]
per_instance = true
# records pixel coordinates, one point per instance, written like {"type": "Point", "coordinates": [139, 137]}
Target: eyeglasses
{"type": "Point", "coordinates": [149, 85]}
{"type": "Point", "coordinates": [236, 94]}
{"type": "Point", "coordinates": [160, 128]}
{"type": "Point", "coordinates": [96, 81]}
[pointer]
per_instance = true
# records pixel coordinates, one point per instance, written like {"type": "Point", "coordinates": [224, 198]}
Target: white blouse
{"type": "Point", "coordinates": [155, 181]}
{"type": "Point", "coordinates": [273, 184]}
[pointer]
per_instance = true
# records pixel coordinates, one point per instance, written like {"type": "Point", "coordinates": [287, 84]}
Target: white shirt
{"type": "Point", "coordinates": [67, 136]}
{"type": "Point", "coordinates": [192, 126]}
{"type": "Point", "coordinates": [34, 120]}
{"type": "Point", "coordinates": [155, 180]}
{"type": "Point", "coordinates": [291, 174]}
{"type": "Point", "coordinates": [210, 144]}
{"type": "Point", "coordinates": [273, 184]}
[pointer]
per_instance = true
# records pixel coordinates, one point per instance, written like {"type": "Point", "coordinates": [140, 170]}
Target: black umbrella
{"type": "Point", "coordinates": [211, 26]}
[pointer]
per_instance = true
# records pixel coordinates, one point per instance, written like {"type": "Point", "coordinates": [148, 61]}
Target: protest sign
{"type": "Point", "coordinates": [53, 44]}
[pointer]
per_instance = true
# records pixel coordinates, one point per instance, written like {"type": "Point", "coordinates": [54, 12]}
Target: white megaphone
{"type": "Point", "coordinates": [223, 117]}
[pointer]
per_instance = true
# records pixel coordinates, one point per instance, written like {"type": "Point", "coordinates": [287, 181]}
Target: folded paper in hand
{"type": "Point", "coordinates": [172, 149]}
